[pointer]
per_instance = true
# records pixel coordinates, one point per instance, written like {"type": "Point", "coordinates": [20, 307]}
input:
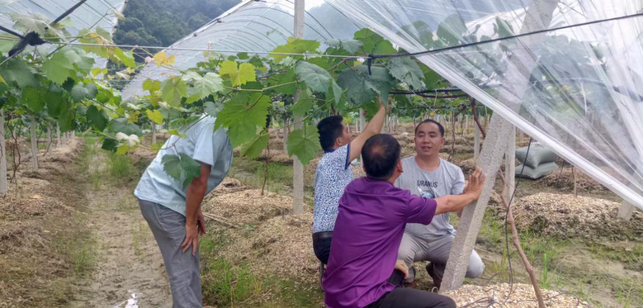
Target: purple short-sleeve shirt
{"type": "Point", "coordinates": [367, 236]}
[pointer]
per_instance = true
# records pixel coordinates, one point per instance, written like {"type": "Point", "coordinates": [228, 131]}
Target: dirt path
{"type": "Point", "coordinates": [129, 269]}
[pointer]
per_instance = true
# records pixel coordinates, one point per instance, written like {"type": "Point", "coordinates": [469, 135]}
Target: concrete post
{"type": "Point", "coordinates": [3, 157]}
{"type": "Point", "coordinates": [510, 164]}
{"type": "Point", "coordinates": [476, 142]}
{"type": "Point", "coordinates": [494, 149]}
{"type": "Point", "coordinates": [34, 143]}
{"type": "Point", "coordinates": [58, 140]}
{"type": "Point", "coordinates": [519, 68]}
{"type": "Point", "coordinates": [625, 211]}
{"type": "Point", "coordinates": [298, 168]}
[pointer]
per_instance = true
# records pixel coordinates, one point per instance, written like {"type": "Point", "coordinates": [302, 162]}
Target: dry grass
{"type": "Point", "coordinates": [521, 296]}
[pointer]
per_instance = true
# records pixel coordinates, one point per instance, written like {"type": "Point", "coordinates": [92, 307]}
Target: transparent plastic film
{"type": "Point", "coordinates": [577, 90]}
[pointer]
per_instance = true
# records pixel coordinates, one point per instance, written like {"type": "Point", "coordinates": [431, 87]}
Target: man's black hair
{"type": "Point", "coordinates": [440, 127]}
{"type": "Point", "coordinates": [330, 129]}
{"type": "Point", "coordinates": [380, 154]}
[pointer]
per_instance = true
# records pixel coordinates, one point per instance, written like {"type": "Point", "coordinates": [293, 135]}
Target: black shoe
{"type": "Point", "coordinates": [437, 280]}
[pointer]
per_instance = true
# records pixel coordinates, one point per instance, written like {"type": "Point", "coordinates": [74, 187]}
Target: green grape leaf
{"type": "Point", "coordinates": [34, 99]}
{"type": "Point", "coordinates": [212, 109]}
{"type": "Point", "coordinates": [151, 86]}
{"type": "Point", "coordinates": [6, 46]}
{"type": "Point", "coordinates": [56, 103]}
{"type": "Point", "coordinates": [66, 119]}
{"type": "Point", "coordinates": [181, 166]}
{"type": "Point", "coordinates": [431, 78]}
{"type": "Point", "coordinates": [239, 75]}
{"type": "Point", "coordinates": [80, 91]}
{"type": "Point", "coordinates": [122, 149]}
{"type": "Point", "coordinates": [373, 43]}
{"type": "Point", "coordinates": [286, 77]}
{"type": "Point", "coordinates": [109, 144]}
{"type": "Point", "coordinates": [242, 114]}
{"type": "Point", "coordinates": [253, 149]}
{"type": "Point", "coordinates": [304, 143]}
{"type": "Point", "coordinates": [18, 72]}
{"type": "Point", "coordinates": [450, 30]}
{"type": "Point", "coordinates": [125, 56]}
{"type": "Point", "coordinates": [96, 118]}
{"type": "Point", "coordinates": [318, 79]}
{"type": "Point", "coordinates": [58, 68]}
{"type": "Point", "coordinates": [155, 116]}
{"type": "Point", "coordinates": [408, 71]}
{"type": "Point", "coordinates": [305, 103]}
{"type": "Point", "coordinates": [358, 89]}
{"type": "Point", "coordinates": [173, 90]}
{"type": "Point", "coordinates": [379, 80]}
{"type": "Point", "coordinates": [297, 46]}
{"type": "Point", "coordinates": [121, 126]}
{"type": "Point", "coordinates": [350, 46]}
{"type": "Point", "coordinates": [35, 23]}
{"type": "Point", "coordinates": [503, 28]}
{"type": "Point", "coordinates": [208, 84]}
{"type": "Point", "coordinates": [241, 133]}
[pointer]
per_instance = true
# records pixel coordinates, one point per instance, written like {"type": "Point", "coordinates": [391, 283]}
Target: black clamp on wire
{"type": "Point", "coordinates": [369, 62]}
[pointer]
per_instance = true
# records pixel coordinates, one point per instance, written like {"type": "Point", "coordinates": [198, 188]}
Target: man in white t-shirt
{"type": "Point", "coordinates": [427, 175]}
{"type": "Point", "coordinates": [173, 211]}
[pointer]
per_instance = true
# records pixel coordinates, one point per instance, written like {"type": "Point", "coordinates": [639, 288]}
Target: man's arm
{"type": "Point", "coordinates": [454, 203]}
{"type": "Point", "coordinates": [373, 128]}
{"type": "Point", "coordinates": [193, 215]}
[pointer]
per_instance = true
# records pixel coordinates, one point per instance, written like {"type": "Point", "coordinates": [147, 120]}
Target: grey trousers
{"type": "Point", "coordinates": [168, 228]}
{"type": "Point", "coordinates": [413, 249]}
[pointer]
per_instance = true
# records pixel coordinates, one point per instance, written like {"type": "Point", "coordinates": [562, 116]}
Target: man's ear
{"type": "Point", "coordinates": [443, 141]}
{"type": "Point", "coordinates": [338, 142]}
{"type": "Point", "coordinates": [399, 167]}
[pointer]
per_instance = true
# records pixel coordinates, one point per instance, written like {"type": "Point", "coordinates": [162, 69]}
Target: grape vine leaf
{"type": "Point", "coordinates": [151, 86]}
{"type": "Point", "coordinates": [242, 114]}
{"type": "Point", "coordinates": [173, 90]}
{"type": "Point", "coordinates": [155, 116]}
{"type": "Point", "coordinates": [121, 126]}
{"type": "Point", "coordinates": [318, 79]}
{"type": "Point", "coordinates": [18, 72]}
{"type": "Point", "coordinates": [81, 91]}
{"type": "Point", "coordinates": [358, 91]}
{"type": "Point", "coordinates": [450, 30]}
{"type": "Point", "coordinates": [181, 166]}
{"type": "Point", "coordinates": [212, 109]}
{"type": "Point", "coordinates": [350, 46]}
{"type": "Point", "coordinates": [33, 98]}
{"type": "Point", "coordinates": [58, 68]}
{"type": "Point", "coordinates": [3, 81]}
{"type": "Point", "coordinates": [125, 56]}
{"type": "Point", "coordinates": [240, 74]}
{"type": "Point", "coordinates": [206, 85]}
{"type": "Point", "coordinates": [373, 43]}
{"type": "Point", "coordinates": [56, 103]}
{"type": "Point", "coordinates": [5, 46]}
{"type": "Point", "coordinates": [109, 144]}
{"type": "Point", "coordinates": [66, 119]}
{"type": "Point", "coordinates": [406, 70]}
{"type": "Point", "coordinates": [253, 149]}
{"type": "Point", "coordinates": [161, 59]}
{"type": "Point", "coordinates": [305, 103]}
{"type": "Point", "coordinates": [96, 118]}
{"type": "Point", "coordinates": [304, 143]}
{"type": "Point", "coordinates": [36, 23]}
{"type": "Point", "coordinates": [297, 46]}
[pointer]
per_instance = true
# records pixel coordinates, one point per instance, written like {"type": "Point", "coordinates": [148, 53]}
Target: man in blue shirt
{"type": "Point", "coordinates": [333, 174]}
{"type": "Point", "coordinates": [174, 212]}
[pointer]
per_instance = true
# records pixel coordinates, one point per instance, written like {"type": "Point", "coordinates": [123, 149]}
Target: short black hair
{"type": "Point", "coordinates": [380, 155]}
{"type": "Point", "coordinates": [330, 129]}
{"type": "Point", "coordinates": [440, 127]}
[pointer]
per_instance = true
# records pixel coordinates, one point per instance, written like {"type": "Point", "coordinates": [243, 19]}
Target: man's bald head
{"type": "Point", "coordinates": [380, 154]}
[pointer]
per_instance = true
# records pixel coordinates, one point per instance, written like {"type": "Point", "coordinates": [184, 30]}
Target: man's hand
{"type": "Point", "coordinates": [191, 239]}
{"type": "Point", "coordinates": [200, 222]}
{"type": "Point", "coordinates": [401, 266]}
{"type": "Point", "coordinates": [476, 183]}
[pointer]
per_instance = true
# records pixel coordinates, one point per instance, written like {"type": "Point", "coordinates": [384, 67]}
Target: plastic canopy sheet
{"type": "Point", "coordinates": [93, 13]}
{"type": "Point", "coordinates": [579, 90]}
{"type": "Point", "coordinates": [250, 26]}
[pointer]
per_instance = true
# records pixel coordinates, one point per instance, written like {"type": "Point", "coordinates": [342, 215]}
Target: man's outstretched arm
{"type": "Point", "coordinates": [193, 215]}
{"type": "Point", "coordinates": [373, 128]}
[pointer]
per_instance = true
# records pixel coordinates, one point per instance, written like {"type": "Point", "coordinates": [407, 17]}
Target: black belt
{"type": "Point", "coordinates": [322, 235]}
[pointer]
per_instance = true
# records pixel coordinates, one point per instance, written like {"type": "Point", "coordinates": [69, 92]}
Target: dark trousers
{"type": "Point", "coordinates": [412, 298]}
{"type": "Point", "coordinates": [321, 245]}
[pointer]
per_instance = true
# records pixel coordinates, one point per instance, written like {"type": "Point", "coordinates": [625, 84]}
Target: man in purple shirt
{"type": "Point", "coordinates": [369, 228]}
